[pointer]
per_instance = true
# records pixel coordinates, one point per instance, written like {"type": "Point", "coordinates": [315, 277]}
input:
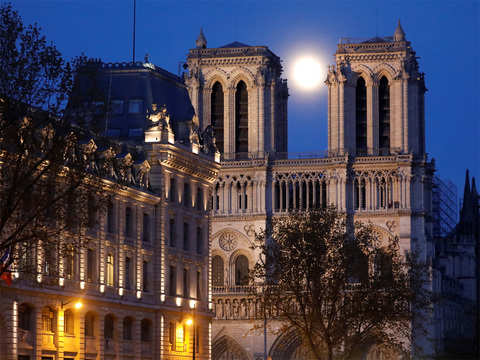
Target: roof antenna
{"type": "Point", "coordinates": [134, 23]}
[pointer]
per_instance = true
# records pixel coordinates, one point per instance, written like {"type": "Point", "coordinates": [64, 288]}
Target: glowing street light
{"type": "Point", "coordinates": [189, 322]}
{"type": "Point", "coordinates": [78, 304]}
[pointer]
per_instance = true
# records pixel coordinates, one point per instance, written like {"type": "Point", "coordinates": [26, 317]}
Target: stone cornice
{"type": "Point", "coordinates": [173, 157]}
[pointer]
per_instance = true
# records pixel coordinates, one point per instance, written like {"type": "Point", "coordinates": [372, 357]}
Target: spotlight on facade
{"type": "Point", "coordinates": [189, 322]}
{"type": "Point", "coordinates": [78, 305]}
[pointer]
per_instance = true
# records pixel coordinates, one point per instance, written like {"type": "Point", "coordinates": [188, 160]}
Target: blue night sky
{"type": "Point", "coordinates": [445, 35]}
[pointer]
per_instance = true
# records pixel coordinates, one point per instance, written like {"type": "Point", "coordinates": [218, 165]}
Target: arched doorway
{"type": "Point", "coordinates": [225, 348]}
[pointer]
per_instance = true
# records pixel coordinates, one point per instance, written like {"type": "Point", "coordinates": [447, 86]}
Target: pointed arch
{"type": "Point", "coordinates": [384, 115]}
{"type": "Point", "coordinates": [361, 116]}
{"type": "Point", "coordinates": [241, 117]}
{"type": "Point", "coordinates": [289, 346]}
{"type": "Point", "coordinates": [217, 114]}
{"type": "Point", "coordinates": [226, 348]}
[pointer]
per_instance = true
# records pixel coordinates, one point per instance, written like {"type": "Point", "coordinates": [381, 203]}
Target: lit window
{"type": "Point", "coordinates": [135, 106]}
{"type": "Point", "coordinates": [110, 270]}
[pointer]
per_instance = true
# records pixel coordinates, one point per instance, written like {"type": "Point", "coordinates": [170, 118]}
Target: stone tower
{"type": "Point", "coordinates": [376, 98]}
{"type": "Point", "coordinates": [376, 169]}
{"type": "Point", "coordinates": [238, 90]}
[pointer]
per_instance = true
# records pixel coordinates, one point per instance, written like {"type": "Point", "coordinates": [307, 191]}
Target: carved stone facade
{"type": "Point", "coordinates": [387, 186]}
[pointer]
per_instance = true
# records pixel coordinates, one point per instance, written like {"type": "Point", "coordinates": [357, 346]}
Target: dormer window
{"type": "Point", "coordinates": [117, 107]}
{"type": "Point", "coordinates": [135, 106]}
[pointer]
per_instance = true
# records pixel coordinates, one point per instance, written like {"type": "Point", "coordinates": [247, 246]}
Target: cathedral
{"type": "Point", "coordinates": [376, 168]}
{"type": "Point", "coordinates": [208, 167]}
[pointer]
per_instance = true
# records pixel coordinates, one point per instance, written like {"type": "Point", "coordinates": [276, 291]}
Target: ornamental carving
{"type": "Point", "coordinates": [227, 241]}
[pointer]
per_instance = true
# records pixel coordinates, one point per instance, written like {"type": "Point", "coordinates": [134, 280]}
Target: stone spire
{"type": "Point", "coordinates": [465, 212]}
{"type": "Point", "coordinates": [201, 42]}
{"type": "Point", "coordinates": [399, 34]}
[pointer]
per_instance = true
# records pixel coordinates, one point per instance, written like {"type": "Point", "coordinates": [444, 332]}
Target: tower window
{"type": "Point", "coordinates": [384, 116]}
{"type": "Point", "coordinates": [217, 114]}
{"type": "Point", "coordinates": [241, 118]}
{"type": "Point", "coordinates": [241, 270]}
{"type": "Point", "coordinates": [361, 116]}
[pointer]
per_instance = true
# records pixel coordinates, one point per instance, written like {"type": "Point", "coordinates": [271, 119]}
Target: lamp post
{"type": "Point", "coordinates": [192, 322]}
{"type": "Point", "coordinates": [78, 304]}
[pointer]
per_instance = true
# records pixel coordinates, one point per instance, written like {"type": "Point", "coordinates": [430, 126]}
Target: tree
{"type": "Point", "coordinates": [49, 195]}
{"type": "Point", "coordinates": [338, 285]}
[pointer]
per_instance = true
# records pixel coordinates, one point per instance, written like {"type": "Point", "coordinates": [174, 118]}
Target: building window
{"type": "Point", "coordinates": [173, 281]}
{"type": "Point", "coordinates": [110, 218]}
{"type": "Point", "coordinates": [186, 284]}
{"type": "Point", "coordinates": [384, 116]}
{"type": "Point", "coordinates": [172, 233]}
{"type": "Point", "coordinates": [146, 330]}
{"type": "Point", "coordinates": [48, 320]}
{"type": "Point", "coordinates": [90, 265]}
{"type": "Point", "coordinates": [199, 240]}
{"type": "Point", "coordinates": [117, 107]}
{"type": "Point", "coordinates": [360, 194]}
{"type": "Point", "coordinates": [173, 190]}
{"type": "Point", "coordinates": [108, 330]}
{"type": "Point", "coordinates": [92, 212]}
{"type": "Point", "coordinates": [187, 197]}
{"type": "Point", "coordinates": [241, 270]}
{"type": "Point", "coordinates": [110, 270]}
{"type": "Point", "coordinates": [199, 200]}
{"type": "Point", "coordinates": [361, 117]}
{"type": "Point", "coordinates": [68, 318]}
{"type": "Point", "coordinates": [146, 228]}
{"type": "Point", "coordinates": [135, 106]}
{"type": "Point", "coordinates": [186, 230]}
{"type": "Point", "coordinates": [89, 324]}
{"type": "Point", "coordinates": [217, 271]}
{"type": "Point", "coordinates": [241, 118]}
{"type": "Point", "coordinates": [199, 284]}
{"type": "Point", "coordinates": [25, 317]}
{"type": "Point", "coordinates": [217, 114]}
{"type": "Point", "coordinates": [128, 273]}
{"type": "Point", "coordinates": [128, 221]}
{"type": "Point", "coordinates": [69, 264]}
{"type": "Point", "coordinates": [146, 280]}
{"type": "Point", "coordinates": [127, 328]}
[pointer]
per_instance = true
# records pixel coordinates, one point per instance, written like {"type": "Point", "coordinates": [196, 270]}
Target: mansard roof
{"type": "Point", "coordinates": [128, 82]}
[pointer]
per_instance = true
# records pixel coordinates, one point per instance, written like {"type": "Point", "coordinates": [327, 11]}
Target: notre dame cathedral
{"type": "Point", "coordinates": [376, 167]}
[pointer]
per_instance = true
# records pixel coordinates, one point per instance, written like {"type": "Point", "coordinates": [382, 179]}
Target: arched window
{"type": "Point", "coordinates": [217, 114]}
{"type": "Point", "coordinates": [361, 116]}
{"type": "Point", "coordinates": [89, 324]}
{"type": "Point", "coordinates": [241, 118]}
{"type": "Point", "coordinates": [241, 270]}
{"type": "Point", "coordinates": [384, 116]}
{"type": "Point", "coordinates": [217, 269]}
{"type": "Point", "coordinates": [25, 317]}
{"type": "Point", "coordinates": [108, 327]}
{"type": "Point", "coordinates": [110, 270]}
{"type": "Point", "coordinates": [127, 328]}
{"type": "Point", "coordinates": [69, 321]}
{"type": "Point", "coordinates": [146, 227]}
{"type": "Point", "coordinates": [146, 330]}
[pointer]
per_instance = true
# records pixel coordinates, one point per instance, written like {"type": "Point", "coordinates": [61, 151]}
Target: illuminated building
{"type": "Point", "coordinates": [145, 271]}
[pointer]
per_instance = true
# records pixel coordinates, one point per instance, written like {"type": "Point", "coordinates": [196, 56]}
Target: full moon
{"type": "Point", "coordinates": [307, 73]}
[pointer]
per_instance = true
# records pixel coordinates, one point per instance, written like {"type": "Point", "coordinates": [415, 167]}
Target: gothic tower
{"type": "Point", "coordinates": [238, 90]}
{"type": "Point", "coordinates": [376, 98]}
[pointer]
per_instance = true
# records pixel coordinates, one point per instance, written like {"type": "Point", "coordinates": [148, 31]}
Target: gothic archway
{"type": "Point", "coordinates": [290, 346]}
{"type": "Point", "coordinates": [226, 348]}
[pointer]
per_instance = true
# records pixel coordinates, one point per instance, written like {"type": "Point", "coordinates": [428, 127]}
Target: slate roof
{"type": "Point", "coordinates": [146, 82]}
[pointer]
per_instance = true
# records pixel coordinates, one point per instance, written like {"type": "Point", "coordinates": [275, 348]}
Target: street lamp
{"type": "Point", "coordinates": [78, 304]}
{"type": "Point", "coordinates": [192, 322]}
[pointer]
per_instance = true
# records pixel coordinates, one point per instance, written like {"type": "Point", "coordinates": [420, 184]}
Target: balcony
{"type": "Point", "coordinates": [236, 289]}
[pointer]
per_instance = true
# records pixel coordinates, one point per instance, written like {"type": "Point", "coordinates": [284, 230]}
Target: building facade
{"type": "Point", "coordinates": [144, 279]}
{"type": "Point", "coordinates": [376, 168]}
